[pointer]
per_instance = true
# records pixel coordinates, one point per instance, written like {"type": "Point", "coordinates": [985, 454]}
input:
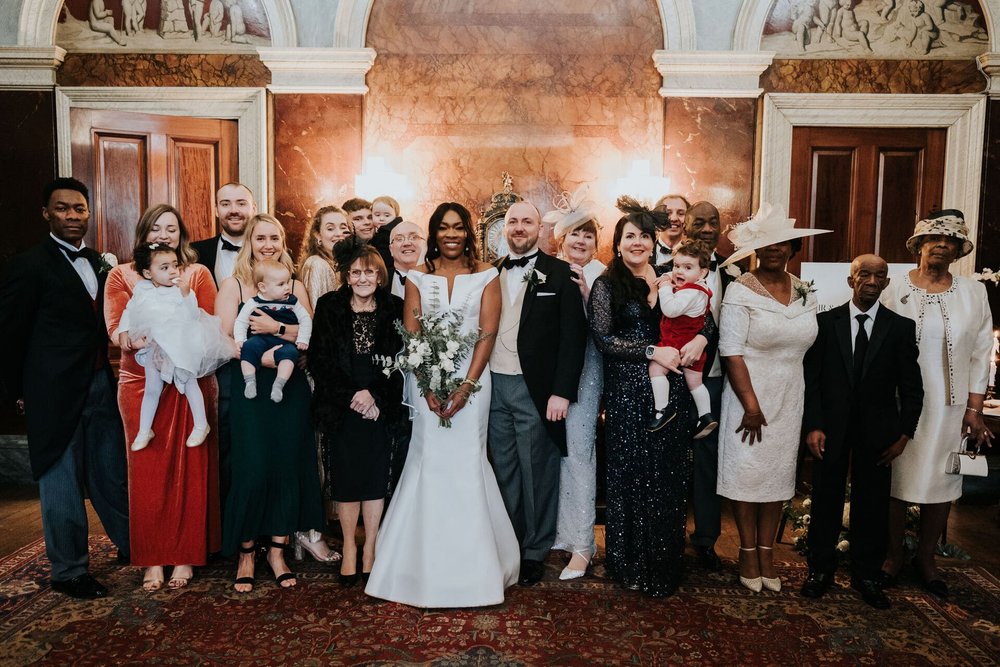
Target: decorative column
{"type": "Point", "coordinates": [988, 241]}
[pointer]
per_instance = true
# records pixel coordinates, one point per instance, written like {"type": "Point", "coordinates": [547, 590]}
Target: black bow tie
{"type": "Point", "coordinates": [73, 254]}
{"type": "Point", "coordinates": [402, 278]}
{"type": "Point", "coordinates": [511, 262]}
{"type": "Point", "coordinates": [226, 245]}
{"type": "Point", "coordinates": [664, 248]}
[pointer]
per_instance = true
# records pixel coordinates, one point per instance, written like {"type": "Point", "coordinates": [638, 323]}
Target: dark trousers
{"type": "Point", "coordinates": [224, 377]}
{"type": "Point", "coordinates": [706, 502]}
{"type": "Point", "coordinates": [94, 461]}
{"type": "Point", "coordinates": [869, 515]}
{"type": "Point", "coordinates": [526, 464]}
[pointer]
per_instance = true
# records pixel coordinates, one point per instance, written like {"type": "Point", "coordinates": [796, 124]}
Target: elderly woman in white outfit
{"type": "Point", "coordinates": [955, 337]}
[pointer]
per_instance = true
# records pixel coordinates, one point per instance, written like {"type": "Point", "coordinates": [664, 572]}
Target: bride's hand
{"type": "Point", "coordinates": [434, 403]}
{"type": "Point", "coordinates": [457, 400]}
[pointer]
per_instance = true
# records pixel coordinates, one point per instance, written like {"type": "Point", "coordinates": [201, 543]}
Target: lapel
{"type": "Point", "coordinates": [842, 330]}
{"type": "Point", "coordinates": [68, 274]}
{"type": "Point", "coordinates": [541, 264]}
{"type": "Point", "coordinates": [880, 331]}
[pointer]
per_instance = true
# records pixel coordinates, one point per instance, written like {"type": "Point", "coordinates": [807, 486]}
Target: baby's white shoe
{"type": "Point", "coordinates": [141, 440]}
{"type": "Point", "coordinates": [198, 436]}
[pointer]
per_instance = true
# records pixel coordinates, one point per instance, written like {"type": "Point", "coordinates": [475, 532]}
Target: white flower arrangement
{"type": "Point", "coordinates": [534, 278]}
{"type": "Point", "coordinates": [733, 271]}
{"type": "Point", "coordinates": [108, 261]}
{"type": "Point", "coordinates": [987, 276]}
{"type": "Point", "coordinates": [804, 289]}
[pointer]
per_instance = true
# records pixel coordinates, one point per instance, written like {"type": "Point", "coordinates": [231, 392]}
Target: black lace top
{"type": "Point", "coordinates": [364, 332]}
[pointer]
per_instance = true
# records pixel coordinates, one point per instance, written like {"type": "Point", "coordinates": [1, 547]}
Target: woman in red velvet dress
{"type": "Point", "coordinates": [173, 489]}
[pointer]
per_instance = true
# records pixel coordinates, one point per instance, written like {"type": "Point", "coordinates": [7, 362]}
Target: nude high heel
{"type": "Point", "coordinates": [755, 584]}
{"type": "Point", "coordinates": [770, 583]}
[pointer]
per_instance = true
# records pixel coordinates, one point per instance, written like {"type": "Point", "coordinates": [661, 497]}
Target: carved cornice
{"type": "Point", "coordinates": [318, 70]}
{"type": "Point", "coordinates": [711, 73]}
{"type": "Point", "coordinates": [989, 64]}
{"type": "Point", "coordinates": [29, 67]}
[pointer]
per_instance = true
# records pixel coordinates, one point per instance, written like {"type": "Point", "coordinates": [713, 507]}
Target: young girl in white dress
{"type": "Point", "coordinates": [176, 340]}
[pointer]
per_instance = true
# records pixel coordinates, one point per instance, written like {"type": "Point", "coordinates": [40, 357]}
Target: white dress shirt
{"type": "Point", "coordinates": [662, 253]}
{"type": "Point", "coordinates": [225, 260]}
{"type": "Point", "coordinates": [514, 276]}
{"type": "Point", "coordinates": [82, 267]}
{"type": "Point", "coordinates": [869, 323]}
{"type": "Point", "coordinates": [398, 288]}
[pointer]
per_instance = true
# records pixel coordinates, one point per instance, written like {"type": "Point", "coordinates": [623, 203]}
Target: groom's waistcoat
{"type": "Point", "coordinates": [505, 359]}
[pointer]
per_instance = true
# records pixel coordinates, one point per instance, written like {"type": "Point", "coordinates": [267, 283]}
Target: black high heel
{"type": "Point", "coordinates": [246, 580]}
{"type": "Point", "coordinates": [281, 578]}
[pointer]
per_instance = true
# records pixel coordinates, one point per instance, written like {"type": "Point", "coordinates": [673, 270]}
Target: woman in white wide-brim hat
{"type": "Point", "coordinates": [768, 322]}
{"type": "Point", "coordinates": [955, 337]}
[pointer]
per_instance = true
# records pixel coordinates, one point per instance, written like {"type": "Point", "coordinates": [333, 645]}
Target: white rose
{"type": "Point", "coordinates": [414, 359]}
{"type": "Point", "coordinates": [424, 349]}
{"type": "Point", "coordinates": [807, 503]}
{"type": "Point", "coordinates": [448, 365]}
{"type": "Point", "coordinates": [453, 346]}
{"type": "Point", "coordinates": [109, 259]}
{"type": "Point", "coordinates": [541, 276]}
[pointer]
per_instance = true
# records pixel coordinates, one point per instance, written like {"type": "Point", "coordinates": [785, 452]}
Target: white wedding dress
{"type": "Point", "coordinates": [447, 540]}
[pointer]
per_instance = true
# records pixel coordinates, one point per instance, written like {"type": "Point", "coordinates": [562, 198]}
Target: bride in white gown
{"type": "Point", "coordinates": [447, 540]}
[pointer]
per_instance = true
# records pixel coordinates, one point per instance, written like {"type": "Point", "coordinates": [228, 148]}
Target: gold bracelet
{"type": "Point", "coordinates": [978, 412]}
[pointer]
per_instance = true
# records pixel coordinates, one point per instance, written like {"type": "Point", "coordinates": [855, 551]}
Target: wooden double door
{"type": "Point", "coordinates": [131, 161]}
{"type": "Point", "coordinates": [869, 185]}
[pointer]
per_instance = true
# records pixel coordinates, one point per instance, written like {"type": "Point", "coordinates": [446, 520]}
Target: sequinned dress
{"type": "Point", "coordinates": [647, 473]}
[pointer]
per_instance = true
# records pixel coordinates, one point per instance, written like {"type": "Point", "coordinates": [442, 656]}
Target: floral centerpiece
{"type": "Point", "coordinates": [434, 352]}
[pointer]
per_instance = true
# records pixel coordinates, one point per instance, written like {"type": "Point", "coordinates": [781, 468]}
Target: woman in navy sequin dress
{"type": "Point", "coordinates": [647, 473]}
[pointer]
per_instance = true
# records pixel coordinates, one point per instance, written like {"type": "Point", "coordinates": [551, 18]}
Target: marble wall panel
{"type": "Point", "coordinates": [317, 153]}
{"type": "Point", "coordinates": [557, 95]}
{"type": "Point", "coordinates": [709, 152]}
{"type": "Point", "coordinates": [873, 76]}
{"type": "Point", "coordinates": [988, 241]}
{"type": "Point", "coordinates": [149, 69]}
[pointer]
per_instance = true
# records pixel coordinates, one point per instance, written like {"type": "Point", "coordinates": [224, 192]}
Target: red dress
{"type": "Point", "coordinates": [678, 331]}
{"type": "Point", "coordinates": [173, 489]}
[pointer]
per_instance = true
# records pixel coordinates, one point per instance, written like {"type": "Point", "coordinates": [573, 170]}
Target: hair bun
{"type": "Point", "coordinates": [346, 251]}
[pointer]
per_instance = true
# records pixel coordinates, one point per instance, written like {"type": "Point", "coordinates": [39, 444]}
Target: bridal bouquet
{"type": "Point", "coordinates": [433, 353]}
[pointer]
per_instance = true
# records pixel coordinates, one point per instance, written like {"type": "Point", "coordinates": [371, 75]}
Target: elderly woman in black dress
{"type": "Point", "coordinates": [648, 473]}
{"type": "Point", "coordinates": [357, 408]}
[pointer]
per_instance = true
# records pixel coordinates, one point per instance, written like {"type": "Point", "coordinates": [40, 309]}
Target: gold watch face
{"type": "Point", "coordinates": [496, 243]}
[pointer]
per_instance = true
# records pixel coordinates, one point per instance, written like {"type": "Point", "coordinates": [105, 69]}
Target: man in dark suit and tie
{"type": "Point", "coordinates": [535, 365]}
{"type": "Point", "coordinates": [234, 206]}
{"type": "Point", "coordinates": [862, 403]}
{"type": "Point", "coordinates": [56, 368]}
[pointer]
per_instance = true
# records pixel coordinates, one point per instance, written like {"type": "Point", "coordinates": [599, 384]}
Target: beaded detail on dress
{"type": "Point", "coordinates": [364, 332]}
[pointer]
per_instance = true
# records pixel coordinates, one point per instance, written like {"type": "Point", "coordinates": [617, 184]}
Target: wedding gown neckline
{"type": "Point", "coordinates": [450, 289]}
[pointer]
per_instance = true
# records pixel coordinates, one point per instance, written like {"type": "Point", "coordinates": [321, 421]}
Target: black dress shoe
{"type": "Point", "coordinates": [886, 580]}
{"type": "Point", "coordinates": [872, 593]}
{"type": "Point", "coordinates": [84, 587]}
{"type": "Point", "coordinates": [935, 586]}
{"type": "Point", "coordinates": [708, 558]}
{"type": "Point", "coordinates": [532, 572]}
{"type": "Point", "coordinates": [817, 584]}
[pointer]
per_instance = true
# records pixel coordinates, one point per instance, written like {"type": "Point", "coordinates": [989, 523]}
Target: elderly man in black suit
{"type": "Point", "coordinates": [535, 365]}
{"type": "Point", "coordinates": [863, 399]}
{"type": "Point", "coordinates": [56, 367]}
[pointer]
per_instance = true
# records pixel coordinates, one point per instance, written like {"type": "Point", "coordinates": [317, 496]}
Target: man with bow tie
{"type": "Point", "coordinates": [407, 247]}
{"type": "Point", "coordinates": [56, 368]}
{"type": "Point", "coordinates": [675, 206]}
{"type": "Point", "coordinates": [535, 365]}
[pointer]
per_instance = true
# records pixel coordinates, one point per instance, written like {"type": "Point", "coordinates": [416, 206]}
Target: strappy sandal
{"type": "Point", "coordinates": [151, 582]}
{"type": "Point", "coordinates": [176, 582]}
{"type": "Point", "coordinates": [287, 576]}
{"type": "Point", "coordinates": [245, 580]}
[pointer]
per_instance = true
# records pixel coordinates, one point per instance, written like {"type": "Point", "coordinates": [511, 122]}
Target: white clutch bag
{"type": "Point", "coordinates": [963, 462]}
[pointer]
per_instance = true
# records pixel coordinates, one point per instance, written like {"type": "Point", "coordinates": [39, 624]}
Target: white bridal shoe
{"type": "Point", "coordinates": [571, 573]}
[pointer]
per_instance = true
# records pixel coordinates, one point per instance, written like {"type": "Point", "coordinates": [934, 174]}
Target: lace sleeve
{"type": "Point", "coordinates": [600, 314]}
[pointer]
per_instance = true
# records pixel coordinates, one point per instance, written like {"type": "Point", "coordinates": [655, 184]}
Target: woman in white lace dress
{"type": "Point", "coordinates": [768, 322]}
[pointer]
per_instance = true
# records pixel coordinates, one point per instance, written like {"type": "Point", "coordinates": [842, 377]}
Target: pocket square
{"type": "Point", "coordinates": [545, 294]}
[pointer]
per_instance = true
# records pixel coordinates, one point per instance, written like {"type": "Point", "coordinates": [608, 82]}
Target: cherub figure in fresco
{"type": "Point", "coordinates": [211, 23]}
{"type": "Point", "coordinates": [803, 19]}
{"type": "Point", "coordinates": [887, 8]}
{"type": "Point", "coordinates": [937, 8]}
{"type": "Point", "coordinates": [918, 30]}
{"type": "Point", "coordinates": [135, 16]}
{"type": "Point", "coordinates": [173, 22]}
{"type": "Point", "coordinates": [197, 8]}
{"type": "Point", "coordinates": [236, 31]}
{"type": "Point", "coordinates": [826, 12]}
{"type": "Point", "coordinates": [102, 20]}
{"type": "Point", "coordinates": [847, 28]}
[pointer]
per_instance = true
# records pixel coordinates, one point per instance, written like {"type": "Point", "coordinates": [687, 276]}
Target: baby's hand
{"type": "Point", "coordinates": [183, 283]}
{"type": "Point", "coordinates": [664, 279]}
{"type": "Point", "coordinates": [138, 343]}
{"type": "Point", "coordinates": [302, 346]}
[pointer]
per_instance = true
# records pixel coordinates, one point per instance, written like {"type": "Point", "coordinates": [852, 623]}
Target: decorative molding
{"type": "Point", "coordinates": [300, 70]}
{"type": "Point", "coordinates": [989, 64]}
{"type": "Point", "coordinates": [247, 106]}
{"type": "Point", "coordinates": [676, 20]}
{"type": "Point", "coordinates": [711, 73]}
{"type": "Point", "coordinates": [29, 68]}
{"type": "Point", "coordinates": [39, 19]}
{"type": "Point", "coordinates": [963, 116]}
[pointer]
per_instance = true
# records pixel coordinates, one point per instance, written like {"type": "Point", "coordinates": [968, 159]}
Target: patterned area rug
{"type": "Point", "coordinates": [711, 621]}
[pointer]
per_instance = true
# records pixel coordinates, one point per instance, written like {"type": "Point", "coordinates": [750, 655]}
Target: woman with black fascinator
{"type": "Point", "coordinates": [357, 409]}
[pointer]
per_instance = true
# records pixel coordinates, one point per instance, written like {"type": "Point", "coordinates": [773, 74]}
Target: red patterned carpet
{"type": "Point", "coordinates": [711, 621]}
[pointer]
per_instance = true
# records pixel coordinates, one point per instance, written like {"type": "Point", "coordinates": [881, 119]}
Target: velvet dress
{"type": "Point", "coordinates": [173, 489]}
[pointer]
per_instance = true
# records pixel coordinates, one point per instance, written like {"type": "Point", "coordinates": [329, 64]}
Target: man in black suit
{"type": "Point", "coordinates": [536, 365]}
{"type": "Point", "coordinates": [234, 205]}
{"type": "Point", "coordinates": [56, 368]}
{"type": "Point", "coordinates": [701, 222]}
{"type": "Point", "coordinates": [862, 403]}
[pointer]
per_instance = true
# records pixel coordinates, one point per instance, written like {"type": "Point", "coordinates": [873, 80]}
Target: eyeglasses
{"type": "Point", "coordinates": [413, 238]}
{"type": "Point", "coordinates": [367, 273]}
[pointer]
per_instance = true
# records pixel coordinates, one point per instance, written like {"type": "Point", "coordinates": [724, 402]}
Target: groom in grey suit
{"type": "Point", "coordinates": [536, 365]}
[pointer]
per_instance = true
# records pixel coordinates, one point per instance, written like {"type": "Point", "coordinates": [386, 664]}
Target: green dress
{"type": "Point", "coordinates": [275, 487]}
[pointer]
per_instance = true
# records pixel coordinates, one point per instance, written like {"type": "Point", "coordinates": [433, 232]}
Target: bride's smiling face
{"type": "Point", "coordinates": [451, 236]}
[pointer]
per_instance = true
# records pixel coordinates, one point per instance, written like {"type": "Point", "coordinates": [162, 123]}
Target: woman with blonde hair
{"type": "Point", "coordinates": [275, 478]}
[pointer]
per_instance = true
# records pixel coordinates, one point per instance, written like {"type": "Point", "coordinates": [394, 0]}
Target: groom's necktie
{"type": "Point", "coordinates": [226, 245]}
{"type": "Point", "coordinates": [511, 262]}
{"type": "Point", "coordinates": [860, 347]}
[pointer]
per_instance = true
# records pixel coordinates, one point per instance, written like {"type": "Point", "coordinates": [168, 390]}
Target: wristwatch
{"type": "Point", "coordinates": [650, 349]}
{"type": "Point", "coordinates": [281, 330]}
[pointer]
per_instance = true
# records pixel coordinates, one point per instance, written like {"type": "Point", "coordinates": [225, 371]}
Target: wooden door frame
{"type": "Point", "coordinates": [247, 106]}
{"type": "Point", "coordinates": [963, 116]}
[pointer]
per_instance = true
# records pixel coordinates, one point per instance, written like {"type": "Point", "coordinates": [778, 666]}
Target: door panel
{"type": "Point", "coordinates": [869, 185]}
{"type": "Point", "coordinates": [131, 161]}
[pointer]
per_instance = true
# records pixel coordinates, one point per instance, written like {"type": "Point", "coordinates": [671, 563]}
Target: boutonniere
{"type": "Point", "coordinates": [105, 262]}
{"type": "Point", "coordinates": [987, 276]}
{"type": "Point", "coordinates": [733, 271]}
{"type": "Point", "coordinates": [534, 278]}
{"type": "Point", "coordinates": [805, 289]}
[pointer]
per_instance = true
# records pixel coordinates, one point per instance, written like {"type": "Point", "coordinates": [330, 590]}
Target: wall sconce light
{"type": "Point", "coordinates": [641, 184]}
{"type": "Point", "coordinates": [377, 178]}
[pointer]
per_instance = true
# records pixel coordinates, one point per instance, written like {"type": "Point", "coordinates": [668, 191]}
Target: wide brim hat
{"type": "Point", "coordinates": [948, 222]}
{"type": "Point", "coordinates": [768, 226]}
{"type": "Point", "coordinates": [571, 211]}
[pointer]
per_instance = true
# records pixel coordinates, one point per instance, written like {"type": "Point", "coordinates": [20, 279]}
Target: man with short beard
{"type": "Point", "coordinates": [234, 206]}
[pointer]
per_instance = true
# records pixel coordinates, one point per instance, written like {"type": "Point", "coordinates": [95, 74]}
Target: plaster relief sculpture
{"type": "Point", "coordinates": [893, 29]}
{"type": "Point", "coordinates": [162, 26]}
